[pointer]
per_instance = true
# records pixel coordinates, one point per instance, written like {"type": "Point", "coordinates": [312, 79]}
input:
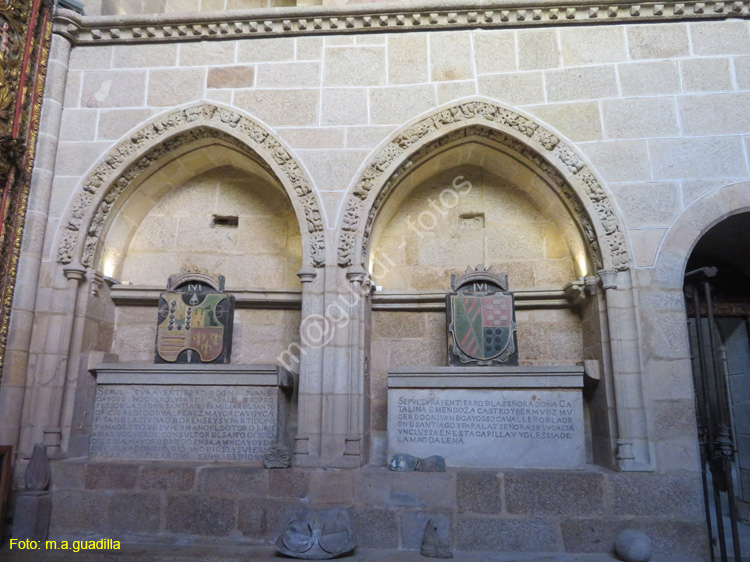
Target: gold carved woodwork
{"type": "Point", "coordinates": [25, 34]}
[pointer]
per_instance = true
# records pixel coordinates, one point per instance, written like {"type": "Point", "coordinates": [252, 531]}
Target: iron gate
{"type": "Point", "coordinates": [713, 412]}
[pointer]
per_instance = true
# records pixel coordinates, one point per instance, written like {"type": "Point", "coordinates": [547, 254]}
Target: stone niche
{"type": "Point", "coordinates": [190, 412]}
{"type": "Point", "coordinates": [489, 417]}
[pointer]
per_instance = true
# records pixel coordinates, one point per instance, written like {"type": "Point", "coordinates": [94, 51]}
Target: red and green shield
{"type": "Point", "coordinates": [483, 325]}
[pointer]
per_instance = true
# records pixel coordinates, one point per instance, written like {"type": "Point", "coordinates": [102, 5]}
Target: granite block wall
{"type": "Point", "coordinates": [507, 511]}
{"type": "Point", "coordinates": [658, 112]}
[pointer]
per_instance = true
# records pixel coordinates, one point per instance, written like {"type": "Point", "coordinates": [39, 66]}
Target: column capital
{"type": "Point", "coordinates": [307, 274]}
{"type": "Point", "coordinates": [74, 270]}
{"type": "Point", "coordinates": [356, 273]}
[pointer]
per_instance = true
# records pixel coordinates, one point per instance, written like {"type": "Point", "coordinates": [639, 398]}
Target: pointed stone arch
{"type": "Point", "coordinates": [574, 181]}
{"type": "Point", "coordinates": [122, 165]}
{"type": "Point", "coordinates": [625, 443]}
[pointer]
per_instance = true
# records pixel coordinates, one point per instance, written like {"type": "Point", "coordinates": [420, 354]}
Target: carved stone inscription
{"type": "Point", "coordinates": [198, 423]}
{"type": "Point", "coordinates": [489, 428]}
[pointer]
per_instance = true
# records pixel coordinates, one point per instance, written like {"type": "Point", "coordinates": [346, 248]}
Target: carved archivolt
{"type": "Point", "coordinates": [132, 157]}
{"type": "Point", "coordinates": [572, 179]}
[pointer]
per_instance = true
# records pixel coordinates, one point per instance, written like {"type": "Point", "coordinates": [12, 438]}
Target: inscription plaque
{"type": "Point", "coordinates": [191, 413]}
{"type": "Point", "coordinates": [486, 425]}
{"type": "Point", "coordinates": [181, 423]}
{"type": "Point", "coordinates": [499, 428]}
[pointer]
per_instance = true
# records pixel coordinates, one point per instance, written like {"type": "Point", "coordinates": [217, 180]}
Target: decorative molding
{"type": "Point", "coordinates": [374, 18]}
{"type": "Point", "coordinates": [423, 301]}
{"type": "Point", "coordinates": [485, 122]}
{"type": "Point", "coordinates": [129, 159]}
{"type": "Point", "coordinates": [139, 295]}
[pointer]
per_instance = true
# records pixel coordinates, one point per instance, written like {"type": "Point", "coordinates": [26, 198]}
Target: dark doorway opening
{"type": "Point", "coordinates": [717, 295]}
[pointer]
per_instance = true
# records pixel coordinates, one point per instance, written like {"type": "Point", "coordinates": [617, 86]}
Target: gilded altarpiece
{"type": "Point", "coordinates": [25, 32]}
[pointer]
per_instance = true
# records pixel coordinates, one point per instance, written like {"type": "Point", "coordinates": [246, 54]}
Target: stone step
{"type": "Point", "coordinates": [223, 553]}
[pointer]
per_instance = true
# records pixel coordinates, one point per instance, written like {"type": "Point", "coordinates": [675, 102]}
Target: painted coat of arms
{"type": "Point", "coordinates": [481, 319]}
{"type": "Point", "coordinates": [195, 320]}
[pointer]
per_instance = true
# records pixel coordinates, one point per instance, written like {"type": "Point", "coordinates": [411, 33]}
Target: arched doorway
{"type": "Point", "coordinates": [717, 292]}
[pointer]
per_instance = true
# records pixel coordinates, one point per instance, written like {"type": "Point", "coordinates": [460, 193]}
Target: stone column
{"type": "Point", "coordinates": [52, 370]}
{"type": "Point", "coordinates": [73, 272]}
{"type": "Point", "coordinates": [310, 369]}
{"type": "Point", "coordinates": [355, 442]}
{"type": "Point", "coordinates": [15, 369]}
{"type": "Point", "coordinates": [633, 448]}
{"type": "Point", "coordinates": [331, 402]}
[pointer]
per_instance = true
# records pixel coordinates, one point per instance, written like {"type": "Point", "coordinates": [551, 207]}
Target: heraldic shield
{"type": "Point", "coordinates": [481, 319]}
{"type": "Point", "coordinates": [195, 320]}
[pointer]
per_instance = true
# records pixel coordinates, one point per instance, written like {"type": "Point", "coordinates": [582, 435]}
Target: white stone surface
{"type": "Point", "coordinates": [539, 428]}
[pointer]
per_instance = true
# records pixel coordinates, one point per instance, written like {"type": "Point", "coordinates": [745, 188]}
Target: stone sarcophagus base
{"type": "Point", "coordinates": [488, 417]}
{"type": "Point", "coordinates": [190, 412]}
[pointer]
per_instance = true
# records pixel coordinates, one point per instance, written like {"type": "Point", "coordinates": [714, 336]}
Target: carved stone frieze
{"type": "Point", "coordinates": [127, 161]}
{"type": "Point", "coordinates": [317, 20]}
{"type": "Point", "coordinates": [500, 126]}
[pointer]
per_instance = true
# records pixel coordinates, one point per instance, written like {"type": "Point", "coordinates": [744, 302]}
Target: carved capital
{"type": "Point", "coordinates": [608, 278]}
{"type": "Point", "coordinates": [75, 271]}
{"type": "Point", "coordinates": [307, 274]}
{"type": "Point", "coordinates": [356, 274]}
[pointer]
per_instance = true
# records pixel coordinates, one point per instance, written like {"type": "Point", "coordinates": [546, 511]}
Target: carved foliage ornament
{"type": "Point", "coordinates": [114, 174]}
{"type": "Point", "coordinates": [486, 123]}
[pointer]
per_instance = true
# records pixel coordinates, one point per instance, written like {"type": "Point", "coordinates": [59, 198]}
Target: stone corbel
{"type": "Point", "coordinates": [592, 376]}
{"type": "Point", "coordinates": [578, 293]}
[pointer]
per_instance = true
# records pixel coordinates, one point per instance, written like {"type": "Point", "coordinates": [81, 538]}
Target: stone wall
{"type": "Point", "coordinates": [259, 335]}
{"type": "Point", "coordinates": [657, 112]}
{"type": "Point", "coordinates": [120, 7]}
{"type": "Point", "coordinates": [641, 110]}
{"type": "Point", "coordinates": [262, 249]}
{"type": "Point", "coordinates": [497, 222]}
{"type": "Point", "coordinates": [501, 511]}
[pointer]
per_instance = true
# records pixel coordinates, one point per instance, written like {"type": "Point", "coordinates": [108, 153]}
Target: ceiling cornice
{"type": "Point", "coordinates": [379, 18]}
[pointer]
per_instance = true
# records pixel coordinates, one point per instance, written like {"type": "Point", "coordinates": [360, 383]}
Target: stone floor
{"type": "Point", "coordinates": [162, 553]}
